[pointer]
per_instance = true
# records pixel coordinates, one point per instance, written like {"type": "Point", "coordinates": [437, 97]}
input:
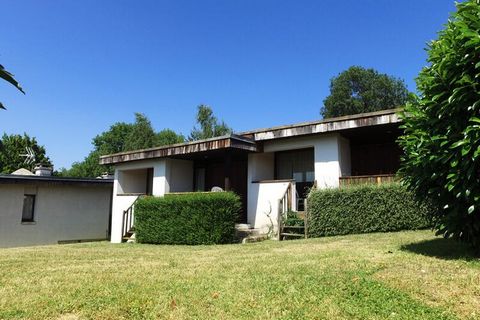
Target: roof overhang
{"type": "Point", "coordinates": [327, 125]}
{"type": "Point", "coordinates": [52, 180]}
{"type": "Point", "coordinates": [177, 150]}
{"type": "Point", "coordinates": [247, 141]}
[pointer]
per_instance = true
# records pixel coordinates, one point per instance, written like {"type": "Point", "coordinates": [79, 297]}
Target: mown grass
{"type": "Point", "coordinates": [405, 275]}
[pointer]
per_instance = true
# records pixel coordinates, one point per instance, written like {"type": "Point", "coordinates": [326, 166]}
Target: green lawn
{"type": "Point", "coordinates": [405, 275]}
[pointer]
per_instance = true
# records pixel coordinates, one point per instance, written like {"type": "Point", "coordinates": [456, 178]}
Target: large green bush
{"type": "Point", "coordinates": [193, 218]}
{"type": "Point", "coordinates": [442, 129]}
{"type": "Point", "coordinates": [365, 208]}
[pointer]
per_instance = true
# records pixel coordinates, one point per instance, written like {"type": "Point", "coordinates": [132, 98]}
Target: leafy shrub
{"type": "Point", "coordinates": [442, 129]}
{"type": "Point", "coordinates": [292, 219]}
{"type": "Point", "coordinates": [193, 218]}
{"type": "Point", "coordinates": [365, 208]}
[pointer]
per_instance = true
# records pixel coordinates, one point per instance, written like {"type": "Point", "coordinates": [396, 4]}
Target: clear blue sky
{"type": "Point", "coordinates": [88, 64]}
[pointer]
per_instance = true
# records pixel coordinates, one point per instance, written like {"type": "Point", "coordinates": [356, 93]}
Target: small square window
{"type": "Point", "coordinates": [28, 208]}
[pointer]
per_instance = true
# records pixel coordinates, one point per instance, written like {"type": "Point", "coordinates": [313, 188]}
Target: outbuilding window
{"type": "Point", "coordinates": [28, 208]}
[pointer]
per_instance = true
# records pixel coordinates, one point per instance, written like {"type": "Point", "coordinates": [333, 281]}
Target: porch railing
{"type": "Point", "coordinates": [367, 179]}
{"type": "Point", "coordinates": [128, 220]}
{"type": "Point", "coordinates": [284, 206]}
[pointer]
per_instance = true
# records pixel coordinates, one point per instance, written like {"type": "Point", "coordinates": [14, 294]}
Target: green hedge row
{"type": "Point", "coordinates": [365, 208]}
{"type": "Point", "coordinates": [193, 218]}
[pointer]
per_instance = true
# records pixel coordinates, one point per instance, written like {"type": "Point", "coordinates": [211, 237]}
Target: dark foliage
{"type": "Point", "coordinates": [363, 209]}
{"type": "Point", "coordinates": [359, 90]}
{"type": "Point", "coordinates": [442, 128]}
{"type": "Point", "coordinates": [194, 218]}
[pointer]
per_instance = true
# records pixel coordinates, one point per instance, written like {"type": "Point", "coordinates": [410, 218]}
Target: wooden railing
{"type": "Point", "coordinates": [368, 179]}
{"type": "Point", "coordinates": [128, 220]}
{"type": "Point", "coordinates": [284, 205]}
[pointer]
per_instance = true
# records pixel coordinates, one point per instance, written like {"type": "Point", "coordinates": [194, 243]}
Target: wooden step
{"type": "Point", "coordinates": [293, 227]}
{"type": "Point", "coordinates": [292, 235]}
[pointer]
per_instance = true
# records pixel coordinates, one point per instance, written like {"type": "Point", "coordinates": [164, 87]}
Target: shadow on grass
{"type": "Point", "coordinates": [447, 249]}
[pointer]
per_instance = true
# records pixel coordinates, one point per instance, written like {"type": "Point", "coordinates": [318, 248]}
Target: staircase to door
{"type": "Point", "coordinates": [291, 224]}
{"type": "Point", "coordinates": [128, 226]}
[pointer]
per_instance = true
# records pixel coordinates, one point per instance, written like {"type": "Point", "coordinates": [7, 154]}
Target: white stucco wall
{"type": "Point", "coordinates": [132, 181]}
{"type": "Point", "coordinates": [62, 213]}
{"type": "Point", "coordinates": [263, 209]}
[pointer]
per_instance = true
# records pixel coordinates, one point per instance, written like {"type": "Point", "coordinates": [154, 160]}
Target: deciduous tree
{"type": "Point", "coordinates": [13, 146]}
{"type": "Point", "coordinates": [209, 125]}
{"type": "Point", "coordinates": [119, 138]}
{"type": "Point", "coordinates": [359, 90]}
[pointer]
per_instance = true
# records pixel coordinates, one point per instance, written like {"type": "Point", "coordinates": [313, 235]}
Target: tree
{"type": "Point", "coordinates": [209, 125]}
{"type": "Point", "coordinates": [88, 168]}
{"type": "Point", "coordinates": [359, 90]}
{"type": "Point", "coordinates": [7, 76]}
{"type": "Point", "coordinates": [441, 141]}
{"type": "Point", "coordinates": [167, 137]}
{"type": "Point", "coordinates": [121, 137]}
{"type": "Point", "coordinates": [141, 136]}
{"type": "Point", "coordinates": [113, 140]}
{"type": "Point", "coordinates": [11, 148]}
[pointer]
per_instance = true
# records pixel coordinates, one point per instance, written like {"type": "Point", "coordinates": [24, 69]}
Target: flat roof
{"type": "Point", "coordinates": [52, 180]}
{"type": "Point", "coordinates": [326, 125]}
{"type": "Point", "coordinates": [247, 140]}
{"type": "Point", "coordinates": [231, 141]}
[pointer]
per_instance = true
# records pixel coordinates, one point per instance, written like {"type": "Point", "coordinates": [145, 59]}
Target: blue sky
{"type": "Point", "coordinates": [88, 64]}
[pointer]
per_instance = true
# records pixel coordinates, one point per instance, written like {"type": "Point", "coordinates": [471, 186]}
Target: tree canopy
{"type": "Point", "coordinates": [121, 137]}
{"type": "Point", "coordinates": [166, 137]}
{"type": "Point", "coordinates": [209, 126]}
{"type": "Point", "coordinates": [359, 90]}
{"type": "Point", "coordinates": [11, 148]}
{"type": "Point", "coordinates": [441, 140]}
{"type": "Point", "coordinates": [141, 135]}
{"type": "Point", "coordinates": [7, 76]}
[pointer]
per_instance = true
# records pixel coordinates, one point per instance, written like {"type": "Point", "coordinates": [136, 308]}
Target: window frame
{"type": "Point", "coordinates": [34, 200]}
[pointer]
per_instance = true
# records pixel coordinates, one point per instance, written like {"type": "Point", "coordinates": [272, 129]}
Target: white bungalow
{"type": "Point", "coordinates": [271, 169]}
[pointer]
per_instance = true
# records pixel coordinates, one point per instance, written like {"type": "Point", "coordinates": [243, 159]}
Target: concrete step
{"type": "Point", "coordinates": [247, 232]}
{"type": "Point", "coordinates": [243, 226]}
{"type": "Point", "coordinates": [257, 238]}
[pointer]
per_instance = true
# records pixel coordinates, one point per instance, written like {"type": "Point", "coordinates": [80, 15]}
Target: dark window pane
{"type": "Point", "coordinates": [295, 164]}
{"type": "Point", "coordinates": [28, 207]}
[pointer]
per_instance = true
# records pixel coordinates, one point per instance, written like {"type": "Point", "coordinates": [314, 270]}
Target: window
{"type": "Point", "coordinates": [28, 208]}
{"type": "Point", "coordinates": [295, 164]}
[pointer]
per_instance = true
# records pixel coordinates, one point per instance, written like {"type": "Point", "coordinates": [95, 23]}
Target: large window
{"type": "Point", "coordinates": [295, 164]}
{"type": "Point", "coordinates": [28, 208]}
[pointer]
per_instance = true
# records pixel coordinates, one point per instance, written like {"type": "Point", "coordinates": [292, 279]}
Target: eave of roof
{"type": "Point", "coordinates": [52, 180]}
{"type": "Point", "coordinates": [325, 125]}
{"type": "Point", "coordinates": [224, 142]}
{"type": "Point", "coordinates": [247, 140]}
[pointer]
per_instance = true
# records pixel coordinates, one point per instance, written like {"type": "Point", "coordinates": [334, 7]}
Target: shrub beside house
{"type": "Point", "coordinates": [365, 208]}
{"type": "Point", "coordinates": [191, 218]}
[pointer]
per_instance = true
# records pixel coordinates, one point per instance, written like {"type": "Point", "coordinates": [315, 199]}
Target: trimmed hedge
{"type": "Point", "coordinates": [365, 208]}
{"type": "Point", "coordinates": [193, 218]}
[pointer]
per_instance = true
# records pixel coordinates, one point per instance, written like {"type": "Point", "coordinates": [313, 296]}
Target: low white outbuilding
{"type": "Point", "coordinates": [37, 210]}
